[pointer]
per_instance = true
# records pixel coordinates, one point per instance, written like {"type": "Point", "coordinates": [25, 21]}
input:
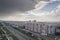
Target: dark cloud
{"type": "Point", "coordinates": [8, 6]}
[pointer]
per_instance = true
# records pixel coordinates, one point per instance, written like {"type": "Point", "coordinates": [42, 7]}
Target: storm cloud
{"type": "Point", "coordinates": [8, 6]}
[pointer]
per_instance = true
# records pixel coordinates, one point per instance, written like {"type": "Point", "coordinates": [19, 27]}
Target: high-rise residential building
{"type": "Point", "coordinates": [40, 28]}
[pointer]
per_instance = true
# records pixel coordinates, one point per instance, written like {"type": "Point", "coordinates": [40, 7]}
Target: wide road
{"type": "Point", "coordinates": [18, 34]}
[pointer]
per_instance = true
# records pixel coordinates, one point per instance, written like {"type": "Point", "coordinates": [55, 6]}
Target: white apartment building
{"type": "Point", "coordinates": [40, 28]}
{"type": "Point", "coordinates": [37, 27]}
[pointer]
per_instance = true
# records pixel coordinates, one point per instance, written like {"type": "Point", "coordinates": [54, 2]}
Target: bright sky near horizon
{"type": "Point", "coordinates": [45, 11]}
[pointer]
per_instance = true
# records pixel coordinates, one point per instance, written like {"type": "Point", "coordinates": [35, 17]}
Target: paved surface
{"type": "Point", "coordinates": [6, 34]}
{"type": "Point", "coordinates": [10, 38]}
{"type": "Point", "coordinates": [18, 34]}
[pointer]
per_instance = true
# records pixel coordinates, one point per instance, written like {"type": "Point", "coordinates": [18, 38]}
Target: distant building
{"type": "Point", "coordinates": [40, 28]}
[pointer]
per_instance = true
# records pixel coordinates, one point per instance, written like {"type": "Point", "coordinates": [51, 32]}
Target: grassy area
{"type": "Point", "coordinates": [27, 33]}
{"type": "Point", "coordinates": [1, 32]}
{"type": "Point", "coordinates": [10, 34]}
{"type": "Point", "coordinates": [49, 37]}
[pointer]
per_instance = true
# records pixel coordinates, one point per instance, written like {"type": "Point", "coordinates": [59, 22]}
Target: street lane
{"type": "Point", "coordinates": [18, 34]}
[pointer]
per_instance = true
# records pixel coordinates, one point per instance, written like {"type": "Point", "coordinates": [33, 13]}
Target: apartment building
{"type": "Point", "coordinates": [36, 27]}
{"type": "Point", "coordinates": [41, 28]}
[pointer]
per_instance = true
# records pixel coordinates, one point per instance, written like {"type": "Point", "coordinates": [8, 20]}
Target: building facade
{"type": "Point", "coordinates": [40, 28]}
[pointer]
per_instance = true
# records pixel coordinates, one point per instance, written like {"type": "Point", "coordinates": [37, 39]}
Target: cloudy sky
{"type": "Point", "coordinates": [24, 10]}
